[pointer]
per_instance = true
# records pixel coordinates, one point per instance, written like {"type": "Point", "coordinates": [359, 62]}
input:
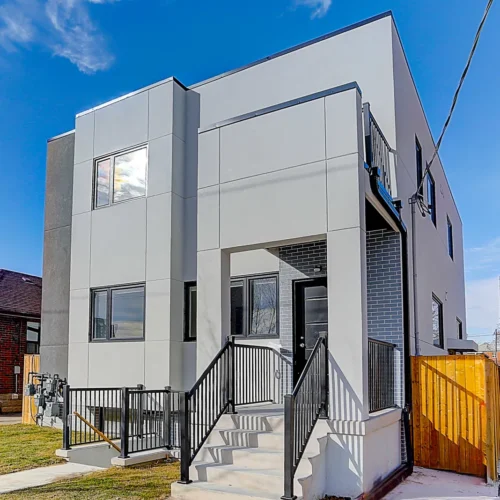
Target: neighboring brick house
{"type": "Point", "coordinates": [20, 304]}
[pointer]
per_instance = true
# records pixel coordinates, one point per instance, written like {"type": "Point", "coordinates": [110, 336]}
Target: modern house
{"type": "Point", "coordinates": [20, 305]}
{"type": "Point", "coordinates": [269, 203]}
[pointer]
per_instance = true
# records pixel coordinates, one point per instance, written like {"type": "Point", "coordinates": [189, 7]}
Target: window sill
{"type": "Point", "coordinates": [112, 341]}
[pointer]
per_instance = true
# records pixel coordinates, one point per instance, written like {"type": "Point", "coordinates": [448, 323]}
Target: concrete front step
{"type": "Point", "coordinates": [256, 458]}
{"type": "Point", "coordinates": [201, 490]}
{"type": "Point", "coordinates": [247, 438]}
{"type": "Point", "coordinates": [264, 480]}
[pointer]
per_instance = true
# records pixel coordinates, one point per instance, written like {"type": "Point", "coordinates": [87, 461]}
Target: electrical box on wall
{"type": "Point", "coordinates": [17, 370]}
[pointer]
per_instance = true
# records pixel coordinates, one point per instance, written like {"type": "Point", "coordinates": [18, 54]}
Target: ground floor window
{"type": "Point", "coordinates": [254, 307]}
{"type": "Point", "coordinates": [118, 313]}
{"type": "Point", "coordinates": [33, 337]}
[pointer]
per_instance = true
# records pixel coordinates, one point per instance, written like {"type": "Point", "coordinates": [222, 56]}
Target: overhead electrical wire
{"type": "Point", "coordinates": [416, 197]}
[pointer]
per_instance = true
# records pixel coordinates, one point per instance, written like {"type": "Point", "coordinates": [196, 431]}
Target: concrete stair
{"type": "Point", "coordinates": [242, 458]}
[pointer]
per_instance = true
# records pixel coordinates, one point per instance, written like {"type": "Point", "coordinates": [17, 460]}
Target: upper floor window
{"type": "Point", "coordinates": [431, 198]}
{"type": "Point", "coordinates": [437, 322]}
{"type": "Point", "coordinates": [118, 313]}
{"type": "Point", "coordinates": [450, 238]}
{"type": "Point", "coordinates": [419, 161]}
{"type": "Point", "coordinates": [460, 331]}
{"type": "Point", "coordinates": [254, 307]}
{"type": "Point", "coordinates": [120, 177]}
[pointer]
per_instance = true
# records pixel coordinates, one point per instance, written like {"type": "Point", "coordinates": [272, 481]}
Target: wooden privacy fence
{"type": "Point", "coordinates": [456, 414]}
{"type": "Point", "coordinates": [31, 364]}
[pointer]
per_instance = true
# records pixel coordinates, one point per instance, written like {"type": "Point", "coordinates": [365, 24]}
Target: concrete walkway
{"type": "Point", "coordinates": [10, 418]}
{"type": "Point", "coordinates": [426, 484]}
{"type": "Point", "coordinates": [42, 475]}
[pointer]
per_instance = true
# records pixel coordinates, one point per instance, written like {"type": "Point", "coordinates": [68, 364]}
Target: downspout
{"type": "Point", "coordinates": [413, 202]}
{"type": "Point", "coordinates": [394, 212]}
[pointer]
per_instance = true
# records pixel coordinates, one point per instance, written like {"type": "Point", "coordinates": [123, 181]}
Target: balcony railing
{"type": "Point", "coordinates": [380, 375]}
{"type": "Point", "coordinates": [377, 150]}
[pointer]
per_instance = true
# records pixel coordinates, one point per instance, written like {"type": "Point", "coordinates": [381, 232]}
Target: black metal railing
{"type": "Point", "coordinates": [101, 407]}
{"type": "Point", "coordinates": [238, 375]}
{"type": "Point", "coordinates": [134, 419]}
{"type": "Point", "coordinates": [381, 370]}
{"type": "Point", "coordinates": [307, 403]}
{"type": "Point", "coordinates": [262, 375]}
{"type": "Point", "coordinates": [377, 149]}
{"type": "Point", "coordinates": [149, 420]}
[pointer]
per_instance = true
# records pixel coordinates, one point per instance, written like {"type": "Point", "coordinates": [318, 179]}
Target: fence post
{"type": "Point", "coordinates": [66, 418]}
{"type": "Point", "coordinates": [185, 437]}
{"type": "Point", "coordinates": [231, 376]}
{"type": "Point", "coordinates": [124, 423]}
{"type": "Point", "coordinates": [167, 422]}
{"type": "Point", "coordinates": [324, 377]}
{"type": "Point", "coordinates": [289, 448]}
{"type": "Point", "coordinates": [140, 407]}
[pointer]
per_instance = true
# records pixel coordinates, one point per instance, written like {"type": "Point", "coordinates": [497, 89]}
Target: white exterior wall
{"type": "Point", "coordinates": [437, 272]}
{"type": "Point", "coordinates": [137, 241]}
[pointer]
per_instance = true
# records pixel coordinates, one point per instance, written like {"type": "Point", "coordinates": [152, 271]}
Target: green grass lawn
{"type": "Point", "coordinates": [25, 447]}
{"type": "Point", "coordinates": [148, 481]}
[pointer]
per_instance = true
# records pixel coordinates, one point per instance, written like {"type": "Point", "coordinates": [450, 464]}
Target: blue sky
{"type": "Point", "coordinates": [59, 57]}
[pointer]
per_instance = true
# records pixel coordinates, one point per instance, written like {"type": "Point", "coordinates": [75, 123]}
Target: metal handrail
{"type": "Point", "coordinates": [238, 375]}
{"type": "Point", "coordinates": [307, 403]}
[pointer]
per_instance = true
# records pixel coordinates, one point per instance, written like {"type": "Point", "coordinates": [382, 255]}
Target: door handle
{"type": "Point", "coordinates": [302, 345]}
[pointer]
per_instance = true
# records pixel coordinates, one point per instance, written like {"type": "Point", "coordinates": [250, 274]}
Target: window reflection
{"type": "Point", "coordinates": [100, 312]}
{"type": "Point", "coordinates": [103, 184]}
{"type": "Point", "coordinates": [127, 313]}
{"type": "Point", "coordinates": [264, 306]}
{"type": "Point", "coordinates": [130, 175]}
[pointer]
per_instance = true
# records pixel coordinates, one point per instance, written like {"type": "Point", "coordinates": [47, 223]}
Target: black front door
{"type": "Point", "coordinates": [311, 319]}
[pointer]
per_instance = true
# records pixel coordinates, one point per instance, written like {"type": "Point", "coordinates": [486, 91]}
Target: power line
{"type": "Point", "coordinates": [415, 197]}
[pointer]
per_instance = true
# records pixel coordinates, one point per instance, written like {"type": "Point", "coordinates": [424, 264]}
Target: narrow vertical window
{"type": "Point", "coordinates": [460, 332]}
{"type": "Point", "coordinates": [431, 198]}
{"type": "Point", "coordinates": [419, 162]}
{"type": "Point", "coordinates": [437, 322]}
{"type": "Point", "coordinates": [450, 238]}
{"type": "Point", "coordinates": [102, 189]}
{"type": "Point", "coordinates": [100, 315]}
{"type": "Point", "coordinates": [32, 337]}
{"type": "Point", "coordinates": [237, 308]}
{"type": "Point", "coordinates": [190, 311]}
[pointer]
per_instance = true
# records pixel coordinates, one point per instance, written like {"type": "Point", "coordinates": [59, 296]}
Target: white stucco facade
{"type": "Point", "coordinates": [239, 167]}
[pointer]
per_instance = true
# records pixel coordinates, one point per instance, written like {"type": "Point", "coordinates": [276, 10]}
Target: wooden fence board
{"type": "Point", "coordinates": [456, 413]}
{"type": "Point", "coordinates": [31, 364]}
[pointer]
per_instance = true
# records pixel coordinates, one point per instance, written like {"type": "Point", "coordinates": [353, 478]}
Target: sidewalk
{"type": "Point", "coordinates": [43, 475]}
{"type": "Point", "coordinates": [10, 419]}
{"type": "Point", "coordinates": [427, 484]}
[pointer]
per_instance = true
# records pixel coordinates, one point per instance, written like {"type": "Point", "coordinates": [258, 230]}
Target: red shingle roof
{"type": "Point", "coordinates": [20, 293]}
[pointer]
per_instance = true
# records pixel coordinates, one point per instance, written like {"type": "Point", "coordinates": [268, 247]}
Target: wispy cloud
{"type": "Point", "coordinates": [482, 307]}
{"type": "Point", "coordinates": [484, 259]}
{"type": "Point", "coordinates": [63, 26]}
{"type": "Point", "coordinates": [319, 7]}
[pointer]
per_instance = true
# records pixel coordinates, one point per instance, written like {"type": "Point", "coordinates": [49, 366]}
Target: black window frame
{"type": "Point", "coordinates": [460, 329]}
{"type": "Point", "coordinates": [34, 344]}
{"type": "Point", "coordinates": [419, 167]}
{"type": "Point", "coordinates": [188, 288]}
{"type": "Point", "coordinates": [246, 283]}
{"type": "Point", "coordinates": [109, 290]}
{"type": "Point", "coordinates": [451, 249]}
{"type": "Point", "coordinates": [431, 198]}
{"type": "Point", "coordinates": [436, 299]}
{"type": "Point", "coordinates": [111, 157]}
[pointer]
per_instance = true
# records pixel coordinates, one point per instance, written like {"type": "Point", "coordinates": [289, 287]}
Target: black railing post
{"type": "Point", "coordinates": [231, 376]}
{"type": "Point", "coordinates": [167, 422]}
{"type": "Point", "coordinates": [289, 447]}
{"type": "Point", "coordinates": [185, 437]}
{"type": "Point", "coordinates": [66, 418]}
{"type": "Point", "coordinates": [324, 377]}
{"type": "Point", "coordinates": [139, 409]}
{"type": "Point", "coordinates": [124, 422]}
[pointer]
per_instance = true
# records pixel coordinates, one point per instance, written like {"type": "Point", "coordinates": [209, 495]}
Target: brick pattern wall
{"type": "Point", "coordinates": [12, 350]}
{"type": "Point", "coordinates": [385, 298]}
{"type": "Point", "coordinates": [296, 262]}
